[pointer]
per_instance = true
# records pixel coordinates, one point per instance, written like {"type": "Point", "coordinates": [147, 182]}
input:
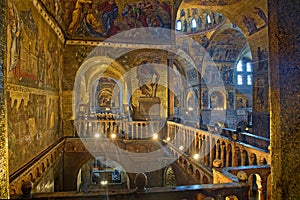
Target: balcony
{"type": "Point", "coordinates": [180, 142]}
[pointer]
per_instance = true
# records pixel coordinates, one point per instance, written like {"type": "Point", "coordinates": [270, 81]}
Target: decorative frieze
{"type": "Point", "coordinates": [52, 23]}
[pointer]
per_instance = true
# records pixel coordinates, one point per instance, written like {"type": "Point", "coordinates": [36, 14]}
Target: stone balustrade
{"type": "Point", "coordinates": [216, 143]}
{"type": "Point", "coordinates": [258, 178]}
{"type": "Point", "coordinates": [247, 138]}
{"type": "Point", "coordinates": [236, 190]}
{"type": "Point", "coordinates": [36, 168]}
{"type": "Point", "coordinates": [232, 154]}
{"type": "Point", "coordinates": [88, 128]}
{"type": "Point", "coordinates": [211, 146]}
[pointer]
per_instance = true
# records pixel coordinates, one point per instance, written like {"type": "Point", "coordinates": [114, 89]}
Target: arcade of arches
{"type": "Point", "coordinates": [193, 93]}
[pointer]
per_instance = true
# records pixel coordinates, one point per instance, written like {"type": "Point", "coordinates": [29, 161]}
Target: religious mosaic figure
{"type": "Point", "coordinates": [250, 24]}
{"type": "Point", "coordinates": [89, 24]}
{"type": "Point", "coordinates": [262, 56]}
{"type": "Point", "coordinates": [15, 29]}
{"type": "Point", "coordinates": [261, 14]}
{"type": "Point", "coordinates": [76, 15]}
{"type": "Point", "coordinates": [109, 14]}
{"type": "Point", "coordinates": [145, 75]}
{"type": "Point", "coordinates": [204, 41]}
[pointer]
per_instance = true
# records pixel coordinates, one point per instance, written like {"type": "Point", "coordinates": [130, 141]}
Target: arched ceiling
{"type": "Point", "coordinates": [84, 20]}
{"type": "Point", "coordinates": [249, 15]}
{"type": "Point", "coordinates": [230, 41]}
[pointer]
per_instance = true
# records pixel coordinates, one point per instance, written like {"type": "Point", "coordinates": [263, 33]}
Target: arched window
{"type": "Point", "coordinates": [249, 67]}
{"type": "Point", "coordinates": [239, 67]}
{"type": "Point", "coordinates": [194, 24]}
{"type": "Point", "coordinates": [249, 79]}
{"type": "Point", "coordinates": [178, 25]}
{"type": "Point", "coordinates": [208, 19]}
{"type": "Point", "coordinates": [240, 79]}
{"type": "Point", "coordinates": [244, 72]}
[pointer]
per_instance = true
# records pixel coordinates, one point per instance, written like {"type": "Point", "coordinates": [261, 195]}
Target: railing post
{"type": "Point", "coordinates": [217, 164]}
{"type": "Point", "coordinates": [223, 154]}
{"type": "Point", "coordinates": [195, 141]}
{"type": "Point", "coordinates": [202, 146]}
{"type": "Point", "coordinates": [252, 159]}
{"type": "Point", "coordinates": [218, 150]}
{"type": "Point", "coordinates": [228, 152]}
{"type": "Point", "coordinates": [243, 159]}
{"type": "Point", "coordinates": [168, 130]}
{"type": "Point", "coordinates": [207, 149]}
{"type": "Point", "coordinates": [126, 129]}
{"type": "Point", "coordinates": [88, 128]}
{"type": "Point", "coordinates": [243, 178]}
{"type": "Point", "coordinates": [261, 160]}
{"type": "Point", "coordinates": [212, 152]}
{"type": "Point", "coordinates": [235, 156]}
{"type": "Point", "coordinates": [84, 128]}
{"type": "Point", "coordinates": [147, 132]}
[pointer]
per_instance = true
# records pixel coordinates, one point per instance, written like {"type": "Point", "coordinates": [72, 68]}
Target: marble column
{"type": "Point", "coordinates": [212, 151]}
{"type": "Point", "coordinates": [207, 151]}
{"type": "Point", "coordinates": [218, 151]}
{"type": "Point", "coordinates": [284, 46]}
{"type": "Point", "coordinates": [223, 155]}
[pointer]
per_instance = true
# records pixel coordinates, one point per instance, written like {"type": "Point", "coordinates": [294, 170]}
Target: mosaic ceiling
{"type": "Point", "coordinates": [97, 20]}
{"type": "Point", "coordinates": [213, 2]}
{"type": "Point", "coordinates": [102, 19]}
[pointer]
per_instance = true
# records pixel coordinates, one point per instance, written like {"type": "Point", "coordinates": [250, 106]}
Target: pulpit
{"type": "Point", "coordinates": [149, 108]}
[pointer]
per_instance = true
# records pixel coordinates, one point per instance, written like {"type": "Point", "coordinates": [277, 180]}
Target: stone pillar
{"type": "Point", "coordinates": [243, 159]}
{"type": "Point", "coordinates": [218, 151]}
{"type": "Point", "coordinates": [4, 174]}
{"type": "Point", "coordinates": [243, 178]}
{"type": "Point", "coordinates": [229, 151]}
{"type": "Point", "coordinates": [195, 142]}
{"type": "Point", "coordinates": [251, 159]}
{"type": "Point", "coordinates": [171, 95]}
{"type": "Point", "coordinates": [207, 149]}
{"type": "Point", "coordinates": [285, 99]}
{"type": "Point", "coordinates": [235, 156]}
{"type": "Point", "coordinates": [223, 155]}
{"type": "Point", "coordinates": [261, 104]}
{"type": "Point", "coordinates": [217, 164]}
{"type": "Point", "coordinates": [211, 152]}
{"type": "Point", "coordinates": [202, 148]}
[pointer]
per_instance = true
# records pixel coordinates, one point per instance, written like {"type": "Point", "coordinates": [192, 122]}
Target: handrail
{"type": "Point", "coordinates": [122, 128]}
{"type": "Point", "coordinates": [29, 164]}
{"type": "Point", "coordinates": [216, 191]}
{"type": "Point", "coordinates": [213, 146]}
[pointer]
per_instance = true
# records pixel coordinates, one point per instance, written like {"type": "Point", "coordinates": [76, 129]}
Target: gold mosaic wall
{"type": "Point", "coordinates": [4, 180]}
{"type": "Point", "coordinates": [34, 74]}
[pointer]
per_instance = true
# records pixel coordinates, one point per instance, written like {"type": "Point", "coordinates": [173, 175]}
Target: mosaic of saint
{"type": "Point", "coordinates": [102, 19]}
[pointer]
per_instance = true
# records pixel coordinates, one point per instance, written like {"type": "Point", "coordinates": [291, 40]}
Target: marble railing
{"type": "Point", "coordinates": [117, 128]}
{"type": "Point", "coordinates": [247, 138]}
{"type": "Point", "coordinates": [210, 146]}
{"type": "Point", "coordinates": [234, 190]}
{"type": "Point", "coordinates": [35, 170]}
{"type": "Point", "coordinates": [216, 143]}
{"type": "Point", "coordinates": [231, 153]}
{"type": "Point", "coordinates": [258, 178]}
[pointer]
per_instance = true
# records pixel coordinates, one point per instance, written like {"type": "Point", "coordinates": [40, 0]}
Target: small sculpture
{"type": "Point", "coordinates": [140, 182]}
{"type": "Point", "coordinates": [26, 190]}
